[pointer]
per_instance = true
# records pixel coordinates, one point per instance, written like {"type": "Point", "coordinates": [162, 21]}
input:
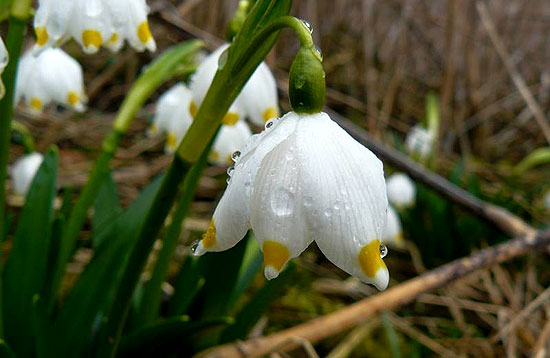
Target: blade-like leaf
{"type": "Point", "coordinates": [172, 336]}
{"type": "Point", "coordinates": [187, 285]}
{"type": "Point", "coordinates": [94, 290]}
{"type": "Point", "coordinates": [106, 206]}
{"type": "Point", "coordinates": [26, 265]}
{"type": "Point", "coordinates": [256, 307]}
{"type": "Point", "coordinates": [252, 263]}
{"type": "Point", "coordinates": [536, 157]}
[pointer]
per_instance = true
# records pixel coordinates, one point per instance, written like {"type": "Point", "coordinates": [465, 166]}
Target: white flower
{"type": "Point", "coordinates": [23, 171]}
{"type": "Point", "coordinates": [93, 23]}
{"type": "Point", "coordinates": [230, 139]}
{"type": "Point", "coordinates": [303, 179]}
{"type": "Point", "coordinates": [259, 96]}
{"type": "Point", "coordinates": [4, 57]}
{"type": "Point", "coordinates": [50, 76]}
{"type": "Point", "coordinates": [401, 190]}
{"type": "Point", "coordinates": [258, 100]}
{"type": "Point", "coordinates": [393, 236]}
{"type": "Point", "coordinates": [419, 141]}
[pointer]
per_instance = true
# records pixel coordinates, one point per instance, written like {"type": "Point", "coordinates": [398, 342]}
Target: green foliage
{"type": "Point", "coordinates": [25, 269]}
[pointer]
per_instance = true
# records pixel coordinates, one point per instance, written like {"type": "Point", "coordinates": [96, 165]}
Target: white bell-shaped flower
{"type": "Point", "coordinates": [23, 171]}
{"type": "Point", "coordinates": [230, 139]}
{"type": "Point", "coordinates": [50, 76]}
{"type": "Point", "coordinates": [401, 190]}
{"type": "Point", "coordinates": [4, 57]}
{"type": "Point", "coordinates": [93, 23]}
{"type": "Point", "coordinates": [303, 179]}
{"type": "Point", "coordinates": [393, 236]}
{"type": "Point", "coordinates": [419, 141]}
{"type": "Point", "coordinates": [259, 96]}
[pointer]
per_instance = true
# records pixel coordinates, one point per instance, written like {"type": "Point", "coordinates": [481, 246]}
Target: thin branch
{"type": "Point", "coordinates": [519, 82]}
{"type": "Point", "coordinates": [359, 312]}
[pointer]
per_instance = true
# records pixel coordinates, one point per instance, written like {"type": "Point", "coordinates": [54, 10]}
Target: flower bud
{"type": "Point", "coordinates": [307, 86]}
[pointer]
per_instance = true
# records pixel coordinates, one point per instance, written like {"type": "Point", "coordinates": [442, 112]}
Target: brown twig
{"type": "Point", "coordinates": [358, 312]}
{"type": "Point", "coordinates": [514, 73]}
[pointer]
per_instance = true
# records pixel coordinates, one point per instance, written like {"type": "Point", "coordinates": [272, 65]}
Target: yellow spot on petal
{"type": "Point", "coordinates": [370, 260]}
{"type": "Point", "coordinates": [209, 238]}
{"type": "Point", "coordinates": [193, 108]}
{"type": "Point", "coordinates": [41, 35]}
{"type": "Point", "coordinates": [144, 33]}
{"type": "Point", "coordinates": [275, 254]}
{"type": "Point", "coordinates": [270, 113]}
{"type": "Point", "coordinates": [171, 140]}
{"type": "Point", "coordinates": [153, 130]}
{"type": "Point", "coordinates": [36, 103]}
{"type": "Point", "coordinates": [91, 38]}
{"type": "Point", "coordinates": [230, 119]}
{"type": "Point", "coordinates": [214, 155]}
{"type": "Point", "coordinates": [72, 98]}
{"type": "Point", "coordinates": [114, 38]}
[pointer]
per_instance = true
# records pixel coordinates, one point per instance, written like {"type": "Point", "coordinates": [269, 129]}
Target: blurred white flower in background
{"type": "Point", "coordinates": [302, 179]}
{"type": "Point", "coordinates": [52, 75]}
{"type": "Point", "coordinates": [93, 23]}
{"type": "Point", "coordinates": [4, 57]}
{"type": "Point", "coordinates": [419, 141]}
{"type": "Point", "coordinates": [393, 236]}
{"type": "Point", "coordinates": [401, 190]}
{"type": "Point", "coordinates": [23, 171]}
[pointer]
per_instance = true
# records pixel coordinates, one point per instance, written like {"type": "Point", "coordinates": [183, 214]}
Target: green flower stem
{"type": "Point", "coordinates": [207, 121]}
{"type": "Point", "coordinates": [28, 141]}
{"type": "Point", "coordinates": [152, 293]}
{"type": "Point", "coordinates": [16, 32]}
{"type": "Point", "coordinates": [228, 82]}
{"type": "Point", "coordinates": [164, 199]}
{"type": "Point", "coordinates": [177, 60]}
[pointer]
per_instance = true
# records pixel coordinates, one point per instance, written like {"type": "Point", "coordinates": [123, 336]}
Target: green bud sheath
{"type": "Point", "coordinates": [307, 86]}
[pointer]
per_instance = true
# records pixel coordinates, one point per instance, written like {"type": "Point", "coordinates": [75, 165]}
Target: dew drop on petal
{"type": "Point", "coordinates": [319, 53]}
{"type": "Point", "coordinates": [194, 245]}
{"type": "Point", "coordinates": [282, 202]}
{"type": "Point", "coordinates": [222, 59]}
{"type": "Point", "coordinates": [269, 124]}
{"type": "Point", "coordinates": [230, 171]}
{"type": "Point", "coordinates": [307, 25]}
{"type": "Point", "coordinates": [235, 156]}
{"type": "Point", "coordinates": [383, 251]}
{"type": "Point", "coordinates": [308, 200]}
{"type": "Point", "coordinates": [228, 180]}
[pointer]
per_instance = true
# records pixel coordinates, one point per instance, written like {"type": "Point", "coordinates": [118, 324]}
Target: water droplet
{"type": "Point", "coordinates": [194, 245]}
{"type": "Point", "coordinates": [269, 124]}
{"type": "Point", "coordinates": [230, 171]}
{"type": "Point", "coordinates": [319, 53]}
{"type": "Point", "coordinates": [228, 180]}
{"type": "Point", "coordinates": [223, 59]}
{"type": "Point", "coordinates": [308, 200]}
{"type": "Point", "coordinates": [235, 156]}
{"type": "Point", "coordinates": [300, 81]}
{"type": "Point", "coordinates": [282, 201]}
{"type": "Point", "coordinates": [307, 25]}
{"type": "Point", "coordinates": [328, 213]}
{"type": "Point", "coordinates": [383, 251]}
{"type": "Point", "coordinates": [337, 205]}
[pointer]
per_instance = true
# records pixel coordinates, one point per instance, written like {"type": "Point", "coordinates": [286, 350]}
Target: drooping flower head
{"type": "Point", "coordinates": [23, 172]}
{"type": "Point", "coordinates": [401, 190]}
{"type": "Point", "coordinates": [51, 76]}
{"type": "Point", "coordinates": [93, 23]}
{"type": "Point", "coordinates": [393, 236]}
{"type": "Point", "coordinates": [304, 179]}
{"type": "Point", "coordinates": [419, 141]}
{"type": "Point", "coordinates": [4, 57]}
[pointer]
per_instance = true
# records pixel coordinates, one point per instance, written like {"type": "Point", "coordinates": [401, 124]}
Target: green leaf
{"type": "Point", "coordinates": [5, 350]}
{"type": "Point", "coordinates": [106, 207]}
{"type": "Point", "coordinates": [252, 263]}
{"type": "Point", "coordinates": [94, 290]}
{"type": "Point", "coordinates": [393, 339]}
{"type": "Point", "coordinates": [256, 307]}
{"type": "Point", "coordinates": [172, 336]}
{"type": "Point", "coordinates": [188, 284]}
{"type": "Point", "coordinates": [26, 265]}
{"type": "Point", "coordinates": [536, 157]}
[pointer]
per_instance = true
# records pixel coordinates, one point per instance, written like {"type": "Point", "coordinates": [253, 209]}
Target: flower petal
{"type": "Point", "coordinates": [231, 219]}
{"type": "Point", "coordinates": [345, 195]}
{"type": "Point", "coordinates": [401, 190]}
{"type": "Point", "coordinates": [393, 235]}
{"type": "Point", "coordinates": [230, 139]}
{"type": "Point", "coordinates": [259, 96]}
{"type": "Point", "coordinates": [277, 211]}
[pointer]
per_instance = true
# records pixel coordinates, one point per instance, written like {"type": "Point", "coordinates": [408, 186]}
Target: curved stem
{"type": "Point", "coordinates": [28, 140]}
